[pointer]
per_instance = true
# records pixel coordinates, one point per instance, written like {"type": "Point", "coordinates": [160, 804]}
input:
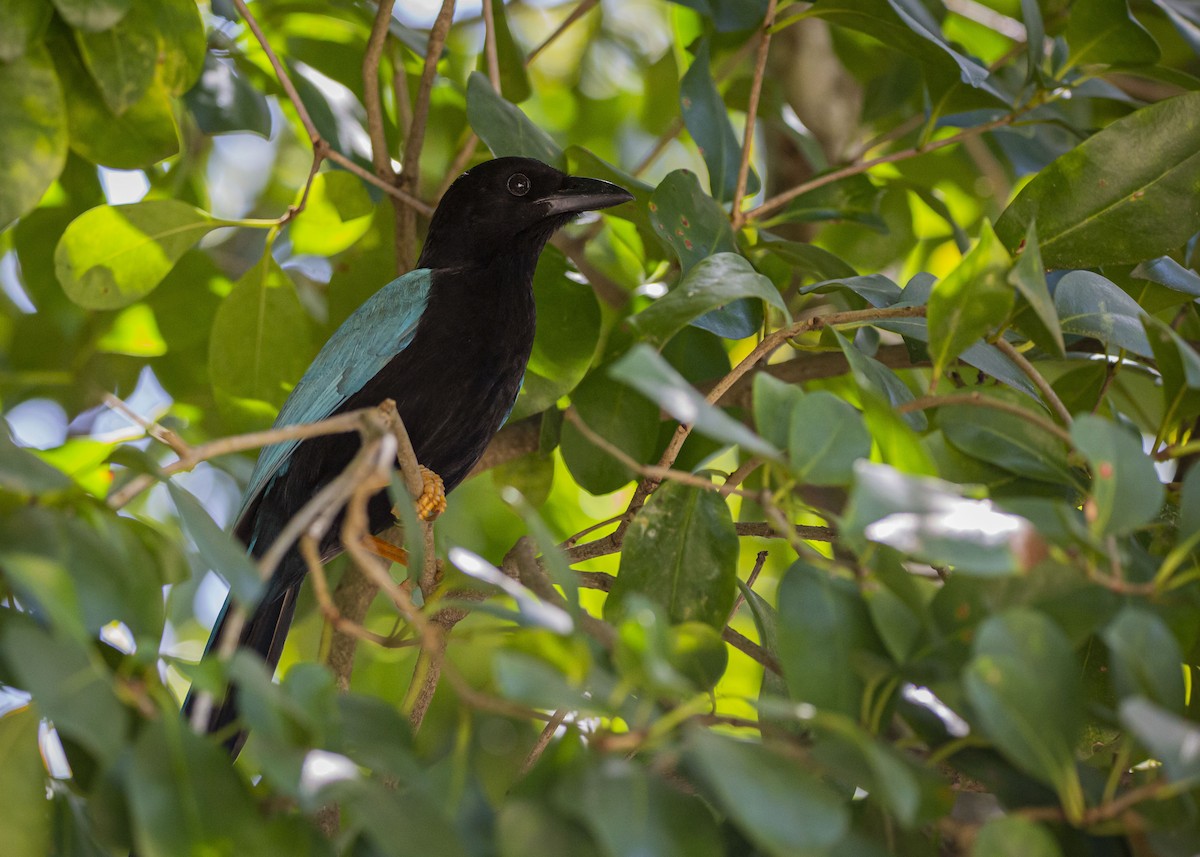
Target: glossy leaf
{"type": "Point", "coordinates": [971, 300]}
{"type": "Point", "coordinates": [777, 804]}
{"type": "Point", "coordinates": [1145, 659]}
{"type": "Point", "coordinates": [1023, 685]}
{"type": "Point", "coordinates": [1039, 320]}
{"type": "Point", "coordinates": [1124, 195]}
{"type": "Point", "coordinates": [111, 256]}
{"type": "Point", "coordinates": [1090, 305]}
{"type": "Point", "coordinates": [33, 132]}
{"type": "Point", "coordinates": [710, 284]}
{"type": "Point", "coordinates": [875, 289]}
{"type": "Point", "coordinates": [824, 628]}
{"type": "Point", "coordinates": [1167, 272]}
{"type": "Point", "coordinates": [1126, 493]}
{"type": "Point", "coordinates": [337, 215]}
{"type": "Point", "coordinates": [25, 822]}
{"type": "Point", "coordinates": [827, 437]}
{"type": "Point", "coordinates": [870, 374]}
{"type": "Point", "coordinates": [1007, 441]}
{"type": "Point", "coordinates": [647, 372]}
{"type": "Point", "coordinates": [260, 343]}
{"type": "Point", "coordinates": [681, 553]}
{"type": "Point", "coordinates": [1103, 31]}
{"type": "Point", "coordinates": [504, 128]}
{"type": "Point", "coordinates": [707, 120]}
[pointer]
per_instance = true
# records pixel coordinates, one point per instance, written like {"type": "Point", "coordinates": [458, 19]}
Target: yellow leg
{"type": "Point", "coordinates": [432, 501]}
{"type": "Point", "coordinates": [387, 550]}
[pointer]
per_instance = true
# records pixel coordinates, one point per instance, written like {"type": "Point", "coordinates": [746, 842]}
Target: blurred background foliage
{"type": "Point", "coordinates": [933, 326]}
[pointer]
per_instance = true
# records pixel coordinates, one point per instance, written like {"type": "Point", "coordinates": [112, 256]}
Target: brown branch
{"type": "Point", "coordinates": [760, 67]}
{"type": "Point", "coordinates": [380, 151]}
{"type": "Point", "coordinates": [490, 53]}
{"type": "Point", "coordinates": [543, 741]}
{"type": "Point", "coordinates": [751, 649]}
{"type": "Point", "coordinates": [578, 12]}
{"type": "Point", "coordinates": [1039, 380]}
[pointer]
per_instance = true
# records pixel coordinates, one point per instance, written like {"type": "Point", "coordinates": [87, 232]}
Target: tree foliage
{"type": "Point", "coordinates": [848, 506]}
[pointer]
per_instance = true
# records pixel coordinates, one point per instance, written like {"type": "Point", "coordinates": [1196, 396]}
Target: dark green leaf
{"type": "Point", "coordinates": [92, 14]}
{"type": "Point", "coordinates": [25, 822]}
{"type": "Point", "coordinates": [680, 552]}
{"type": "Point", "coordinates": [1039, 321]}
{"type": "Point", "coordinates": [1167, 272]}
{"type": "Point", "coordinates": [875, 289]}
{"type": "Point", "coordinates": [525, 828]}
{"type": "Point", "coordinates": [729, 15]}
{"type": "Point", "coordinates": [222, 102]}
{"type": "Point", "coordinates": [504, 128]}
{"type": "Point", "coordinates": [778, 805]}
{"type": "Point", "coordinates": [260, 342]}
{"type": "Point", "coordinates": [854, 199]}
{"type": "Point", "coordinates": [123, 59]}
{"type": "Point", "coordinates": [1013, 836]}
{"type": "Point", "coordinates": [1007, 441]}
{"type": "Point", "coordinates": [111, 256]}
{"type": "Point", "coordinates": [1179, 366]}
{"type": "Point", "coordinates": [707, 120]}
{"type": "Point", "coordinates": [24, 474]}
{"type": "Point", "coordinates": [23, 23]}
{"type": "Point", "coordinates": [218, 549]}
{"type": "Point", "coordinates": [647, 372]}
{"type": "Point", "coordinates": [514, 81]}
{"type": "Point", "coordinates": [33, 132]}
{"type": "Point", "coordinates": [621, 415]}
{"type": "Point", "coordinates": [870, 374]}
{"type": "Point", "coordinates": [1189, 505]}
{"type": "Point", "coordinates": [969, 301]}
{"type": "Point", "coordinates": [1103, 31]}
{"type": "Point", "coordinates": [710, 284]}
{"type": "Point", "coordinates": [809, 259]}
{"type": "Point", "coordinates": [824, 628]}
{"type": "Point", "coordinates": [1126, 493]}
{"type": "Point", "coordinates": [1090, 305]}
{"type": "Point", "coordinates": [1145, 658]}
{"type": "Point", "coordinates": [827, 436]}
{"type": "Point", "coordinates": [1171, 739]}
{"type": "Point", "coordinates": [1124, 195]}
{"type": "Point", "coordinates": [1023, 685]}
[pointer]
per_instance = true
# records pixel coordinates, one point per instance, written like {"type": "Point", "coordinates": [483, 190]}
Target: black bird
{"type": "Point", "coordinates": [448, 342]}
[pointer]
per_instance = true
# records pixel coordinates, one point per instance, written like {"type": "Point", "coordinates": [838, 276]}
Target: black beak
{"type": "Point", "coordinates": [583, 194]}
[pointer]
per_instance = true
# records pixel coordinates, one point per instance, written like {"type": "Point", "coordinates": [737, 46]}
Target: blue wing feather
{"type": "Point", "coordinates": [358, 350]}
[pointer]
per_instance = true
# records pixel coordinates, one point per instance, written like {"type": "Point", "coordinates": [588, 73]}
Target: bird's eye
{"type": "Point", "coordinates": [518, 184]}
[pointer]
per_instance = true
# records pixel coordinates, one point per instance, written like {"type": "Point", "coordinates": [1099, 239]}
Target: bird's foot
{"type": "Point", "coordinates": [387, 550]}
{"type": "Point", "coordinates": [432, 501]}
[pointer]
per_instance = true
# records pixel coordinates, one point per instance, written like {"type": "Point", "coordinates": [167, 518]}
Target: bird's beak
{"type": "Point", "coordinates": [583, 194]}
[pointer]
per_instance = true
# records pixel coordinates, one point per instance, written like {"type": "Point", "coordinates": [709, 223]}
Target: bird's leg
{"type": "Point", "coordinates": [387, 550]}
{"type": "Point", "coordinates": [432, 501]}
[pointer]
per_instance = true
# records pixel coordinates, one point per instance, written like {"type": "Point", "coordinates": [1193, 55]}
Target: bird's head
{"type": "Point", "coordinates": [509, 206]}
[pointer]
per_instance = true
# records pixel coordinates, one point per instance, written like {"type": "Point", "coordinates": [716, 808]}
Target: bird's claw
{"type": "Point", "coordinates": [432, 501]}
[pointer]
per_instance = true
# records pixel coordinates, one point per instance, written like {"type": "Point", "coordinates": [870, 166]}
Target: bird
{"type": "Point", "coordinates": [448, 342]}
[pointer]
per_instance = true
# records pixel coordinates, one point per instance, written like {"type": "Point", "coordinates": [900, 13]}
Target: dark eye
{"type": "Point", "coordinates": [518, 184]}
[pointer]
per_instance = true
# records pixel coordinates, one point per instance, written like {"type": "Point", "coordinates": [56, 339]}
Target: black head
{"type": "Point", "coordinates": [508, 206]}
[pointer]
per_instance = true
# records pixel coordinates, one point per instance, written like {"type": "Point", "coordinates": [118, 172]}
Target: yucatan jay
{"type": "Point", "coordinates": [448, 342]}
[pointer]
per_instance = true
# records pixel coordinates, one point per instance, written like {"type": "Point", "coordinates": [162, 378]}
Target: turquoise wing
{"type": "Point", "coordinates": [358, 350]}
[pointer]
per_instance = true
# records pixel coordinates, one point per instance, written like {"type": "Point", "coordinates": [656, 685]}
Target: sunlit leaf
{"type": "Point", "coordinates": [337, 214]}
{"type": "Point", "coordinates": [33, 132]}
{"type": "Point", "coordinates": [24, 20]}
{"type": "Point", "coordinates": [92, 14]}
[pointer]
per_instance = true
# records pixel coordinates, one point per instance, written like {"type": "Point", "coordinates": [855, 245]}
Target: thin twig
{"type": "Point", "coordinates": [760, 67]}
{"type": "Point", "coordinates": [759, 561]}
{"type": "Point", "coordinates": [578, 12]}
{"type": "Point", "coordinates": [281, 73]}
{"type": "Point", "coordinates": [380, 152]}
{"type": "Point", "coordinates": [490, 52]}
{"type": "Point", "coordinates": [979, 400]}
{"type": "Point", "coordinates": [751, 649]}
{"type": "Point", "coordinates": [1039, 380]}
{"type": "Point", "coordinates": [543, 741]}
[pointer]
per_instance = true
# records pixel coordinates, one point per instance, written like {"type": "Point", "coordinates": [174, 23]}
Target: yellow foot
{"type": "Point", "coordinates": [387, 550]}
{"type": "Point", "coordinates": [432, 501]}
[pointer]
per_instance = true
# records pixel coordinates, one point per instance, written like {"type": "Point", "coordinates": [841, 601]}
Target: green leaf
{"type": "Point", "coordinates": [1103, 31]}
{"type": "Point", "coordinates": [1013, 836]}
{"type": "Point", "coordinates": [1179, 366]}
{"type": "Point", "coordinates": [1038, 321]}
{"type": "Point", "coordinates": [775, 402]}
{"type": "Point", "coordinates": [123, 59]}
{"type": "Point", "coordinates": [92, 14]}
{"type": "Point", "coordinates": [710, 284]}
{"type": "Point", "coordinates": [260, 344]}
{"type": "Point", "coordinates": [875, 289]}
{"type": "Point", "coordinates": [1167, 272]}
{"type": "Point", "coordinates": [222, 102]}
{"type": "Point", "coordinates": [870, 374]}
{"type": "Point", "coordinates": [514, 80]}
{"type": "Point", "coordinates": [1007, 441]}
{"type": "Point", "coordinates": [779, 806]}
{"type": "Point", "coordinates": [630, 811]}
{"type": "Point", "coordinates": [1126, 493]}
{"type": "Point", "coordinates": [24, 22]}
{"type": "Point", "coordinates": [969, 301]}
{"type": "Point", "coordinates": [729, 16]}
{"type": "Point", "coordinates": [1090, 305]}
{"type": "Point", "coordinates": [707, 120]}
{"type": "Point", "coordinates": [1189, 505]}
{"type": "Point", "coordinates": [219, 550]}
{"type": "Point", "coordinates": [24, 474]}
{"type": "Point", "coordinates": [619, 414]}
{"type": "Point", "coordinates": [1024, 687]}
{"type": "Point", "coordinates": [111, 256]}
{"type": "Point", "coordinates": [71, 686]}
{"type": "Point", "coordinates": [806, 258]}
{"type": "Point", "coordinates": [1171, 739]}
{"type": "Point", "coordinates": [337, 214]}
{"type": "Point", "coordinates": [568, 329]}
{"type": "Point", "coordinates": [182, 43]}
{"type": "Point", "coordinates": [680, 552]}
{"type": "Point", "coordinates": [25, 822]}
{"type": "Point", "coordinates": [1125, 194]}
{"type": "Point", "coordinates": [185, 798]}
{"type": "Point", "coordinates": [853, 200]}
{"type": "Point", "coordinates": [647, 372]}
{"type": "Point", "coordinates": [824, 628]}
{"type": "Point", "coordinates": [827, 436]}
{"type": "Point", "coordinates": [1145, 658]}
{"type": "Point", "coordinates": [504, 128]}
{"type": "Point", "coordinates": [525, 828]}
{"type": "Point", "coordinates": [33, 132]}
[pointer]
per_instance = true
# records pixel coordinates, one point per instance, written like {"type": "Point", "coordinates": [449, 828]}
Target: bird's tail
{"type": "Point", "coordinates": [264, 632]}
